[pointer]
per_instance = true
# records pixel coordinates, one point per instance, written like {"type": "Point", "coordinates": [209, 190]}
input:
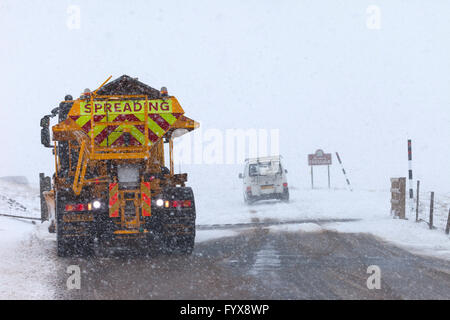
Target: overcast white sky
{"type": "Point", "coordinates": [313, 69]}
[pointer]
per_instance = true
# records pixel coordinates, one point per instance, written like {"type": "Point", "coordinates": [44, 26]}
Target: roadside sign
{"type": "Point", "coordinates": [319, 158]}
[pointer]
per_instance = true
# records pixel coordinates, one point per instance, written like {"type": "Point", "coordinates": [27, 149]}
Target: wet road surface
{"type": "Point", "coordinates": [262, 264]}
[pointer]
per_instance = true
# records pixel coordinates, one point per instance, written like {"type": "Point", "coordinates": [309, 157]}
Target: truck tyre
{"type": "Point", "coordinates": [64, 249]}
{"type": "Point", "coordinates": [179, 224]}
{"type": "Point", "coordinates": [68, 246]}
{"type": "Point", "coordinates": [64, 246]}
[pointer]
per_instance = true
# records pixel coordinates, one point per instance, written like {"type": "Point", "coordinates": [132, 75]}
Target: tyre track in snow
{"type": "Point", "coordinates": [267, 223]}
{"type": "Point", "coordinates": [259, 263]}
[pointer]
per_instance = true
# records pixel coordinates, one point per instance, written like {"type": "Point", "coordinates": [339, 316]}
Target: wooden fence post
{"type": "Point", "coordinates": [417, 201]}
{"type": "Point", "coordinates": [431, 209]}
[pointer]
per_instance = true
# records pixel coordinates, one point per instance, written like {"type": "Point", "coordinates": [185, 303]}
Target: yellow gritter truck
{"type": "Point", "coordinates": [111, 185]}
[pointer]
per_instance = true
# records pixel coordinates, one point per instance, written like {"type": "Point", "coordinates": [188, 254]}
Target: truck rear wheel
{"type": "Point", "coordinates": [64, 248]}
{"type": "Point", "coordinates": [69, 245]}
{"type": "Point", "coordinates": [178, 224]}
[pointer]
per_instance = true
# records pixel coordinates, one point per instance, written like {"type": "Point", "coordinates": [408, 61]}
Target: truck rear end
{"type": "Point", "coordinates": [111, 184]}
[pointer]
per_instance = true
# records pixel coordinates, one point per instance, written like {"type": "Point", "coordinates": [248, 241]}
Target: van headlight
{"type": "Point", "coordinates": [159, 202]}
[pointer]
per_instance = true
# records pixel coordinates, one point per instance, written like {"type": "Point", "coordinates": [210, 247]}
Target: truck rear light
{"type": "Point", "coordinates": [177, 203]}
{"type": "Point", "coordinates": [77, 207]}
{"type": "Point", "coordinates": [187, 203]}
{"type": "Point", "coordinates": [249, 189]}
{"type": "Point", "coordinates": [285, 185]}
{"type": "Point", "coordinates": [181, 203]}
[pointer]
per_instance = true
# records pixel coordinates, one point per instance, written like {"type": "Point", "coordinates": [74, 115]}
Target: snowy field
{"type": "Point", "coordinates": [28, 256]}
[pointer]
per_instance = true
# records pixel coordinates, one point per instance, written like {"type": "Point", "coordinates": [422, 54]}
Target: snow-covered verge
{"type": "Point", "coordinates": [223, 204]}
{"type": "Point", "coordinates": [18, 197]}
{"type": "Point", "coordinates": [26, 267]}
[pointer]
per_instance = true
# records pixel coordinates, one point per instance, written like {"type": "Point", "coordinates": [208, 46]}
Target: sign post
{"type": "Point", "coordinates": [328, 167]}
{"type": "Point", "coordinates": [319, 158]}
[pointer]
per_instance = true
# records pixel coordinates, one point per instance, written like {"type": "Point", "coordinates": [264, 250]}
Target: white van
{"type": "Point", "coordinates": [264, 178]}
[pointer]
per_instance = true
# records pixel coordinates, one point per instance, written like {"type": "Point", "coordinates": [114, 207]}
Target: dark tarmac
{"type": "Point", "coordinates": [258, 264]}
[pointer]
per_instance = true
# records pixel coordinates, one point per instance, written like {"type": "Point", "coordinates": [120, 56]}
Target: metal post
{"type": "Point", "coordinates": [328, 177]}
{"type": "Point", "coordinates": [402, 189]}
{"type": "Point", "coordinates": [343, 171]}
{"type": "Point", "coordinates": [410, 175]}
{"type": "Point", "coordinates": [417, 201]}
{"type": "Point", "coordinates": [312, 178]}
{"type": "Point", "coordinates": [91, 132]}
{"type": "Point", "coordinates": [431, 209]}
{"type": "Point", "coordinates": [171, 156]}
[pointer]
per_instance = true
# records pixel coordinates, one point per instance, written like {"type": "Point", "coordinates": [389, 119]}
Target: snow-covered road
{"type": "Point", "coordinates": [299, 261]}
{"type": "Point", "coordinates": [29, 268]}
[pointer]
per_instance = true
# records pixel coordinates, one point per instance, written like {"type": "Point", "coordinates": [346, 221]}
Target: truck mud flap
{"type": "Point", "coordinates": [45, 184]}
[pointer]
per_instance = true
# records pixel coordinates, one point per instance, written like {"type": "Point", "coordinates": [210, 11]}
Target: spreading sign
{"type": "Point", "coordinates": [319, 158]}
{"type": "Point", "coordinates": [125, 107]}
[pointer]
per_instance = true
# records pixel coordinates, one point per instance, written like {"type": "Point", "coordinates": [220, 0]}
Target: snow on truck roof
{"type": "Point", "coordinates": [127, 85]}
{"type": "Point", "coordinates": [263, 159]}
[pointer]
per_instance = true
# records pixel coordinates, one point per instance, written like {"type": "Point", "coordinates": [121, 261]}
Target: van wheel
{"type": "Point", "coordinates": [248, 200]}
{"type": "Point", "coordinates": [285, 195]}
